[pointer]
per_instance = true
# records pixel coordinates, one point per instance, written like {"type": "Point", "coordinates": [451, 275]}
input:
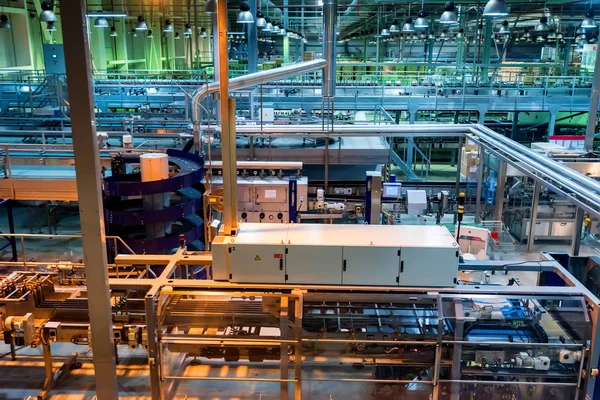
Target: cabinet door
{"type": "Point", "coordinates": [371, 266]}
{"type": "Point", "coordinates": [257, 263]}
{"type": "Point", "coordinates": [319, 265]}
{"type": "Point", "coordinates": [428, 266]}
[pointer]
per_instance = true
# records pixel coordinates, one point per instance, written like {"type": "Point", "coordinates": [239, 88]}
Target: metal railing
{"type": "Point", "coordinates": [20, 238]}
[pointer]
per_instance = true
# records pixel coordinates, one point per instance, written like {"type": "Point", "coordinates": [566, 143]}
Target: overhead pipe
{"type": "Point", "coordinates": [329, 46]}
{"type": "Point", "coordinates": [566, 177]}
{"type": "Point", "coordinates": [576, 176]}
{"type": "Point", "coordinates": [257, 78]}
{"type": "Point", "coordinates": [548, 167]}
{"type": "Point", "coordinates": [349, 130]}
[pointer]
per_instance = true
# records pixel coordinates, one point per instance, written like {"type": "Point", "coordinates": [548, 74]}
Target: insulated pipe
{"type": "Point", "coordinates": [329, 46]}
{"type": "Point", "coordinates": [257, 78]}
{"type": "Point", "coordinates": [576, 176]}
{"type": "Point", "coordinates": [347, 130]}
{"type": "Point", "coordinates": [558, 176]}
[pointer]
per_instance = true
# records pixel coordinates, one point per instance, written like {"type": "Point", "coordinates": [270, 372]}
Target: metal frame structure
{"type": "Point", "coordinates": [171, 282]}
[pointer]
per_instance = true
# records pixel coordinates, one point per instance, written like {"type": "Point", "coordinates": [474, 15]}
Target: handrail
{"type": "Point", "coordinates": [23, 236]}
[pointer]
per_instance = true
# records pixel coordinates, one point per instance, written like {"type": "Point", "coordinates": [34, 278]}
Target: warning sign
{"type": "Point", "coordinates": [257, 258]}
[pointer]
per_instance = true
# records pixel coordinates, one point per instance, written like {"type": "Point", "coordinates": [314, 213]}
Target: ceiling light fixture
{"type": "Point", "coordinates": [260, 19]}
{"type": "Point", "coordinates": [210, 6]}
{"type": "Point", "coordinates": [168, 27]}
{"type": "Point", "coordinates": [504, 29]}
{"type": "Point", "coordinates": [4, 24]}
{"type": "Point", "coordinates": [449, 16]}
{"type": "Point", "coordinates": [269, 26]}
{"type": "Point", "coordinates": [47, 14]}
{"type": "Point", "coordinates": [543, 25]}
{"type": "Point", "coordinates": [134, 32]}
{"type": "Point", "coordinates": [394, 27]}
{"type": "Point", "coordinates": [150, 36]}
{"type": "Point", "coordinates": [495, 8]}
{"type": "Point", "coordinates": [141, 24]}
{"type": "Point", "coordinates": [245, 16]}
{"type": "Point", "coordinates": [421, 22]}
{"type": "Point", "coordinates": [588, 21]}
{"type": "Point", "coordinates": [101, 22]}
{"type": "Point", "coordinates": [203, 33]}
{"type": "Point", "coordinates": [385, 31]}
{"type": "Point", "coordinates": [408, 25]}
{"type": "Point", "coordinates": [50, 27]}
{"type": "Point", "coordinates": [188, 30]}
{"type": "Point", "coordinates": [113, 31]}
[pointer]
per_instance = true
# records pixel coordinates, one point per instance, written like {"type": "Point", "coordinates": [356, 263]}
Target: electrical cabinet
{"type": "Point", "coordinates": [257, 254]}
{"type": "Point", "coordinates": [364, 265]}
{"type": "Point", "coordinates": [319, 254]}
{"type": "Point", "coordinates": [319, 265]}
{"type": "Point", "coordinates": [428, 266]}
{"type": "Point", "coordinates": [257, 263]}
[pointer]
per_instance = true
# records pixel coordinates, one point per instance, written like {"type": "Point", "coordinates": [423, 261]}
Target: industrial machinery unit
{"type": "Point", "coordinates": [461, 341]}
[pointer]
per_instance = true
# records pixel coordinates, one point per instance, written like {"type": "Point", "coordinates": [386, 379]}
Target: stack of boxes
{"type": "Point", "coordinates": [469, 161]}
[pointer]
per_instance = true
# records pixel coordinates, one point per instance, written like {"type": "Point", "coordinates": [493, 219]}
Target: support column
{"type": "Point", "coordinates": [479, 184]}
{"type": "Point", "coordinates": [590, 131]}
{"type": "Point", "coordinates": [286, 40]}
{"type": "Point", "coordinates": [253, 41]}
{"type": "Point", "coordinates": [576, 241]}
{"type": "Point", "coordinates": [515, 125]}
{"type": "Point", "coordinates": [487, 46]}
{"type": "Point", "coordinates": [196, 58]}
{"type": "Point", "coordinates": [458, 161]}
{"type": "Point", "coordinates": [534, 212]}
{"type": "Point", "coordinates": [499, 204]}
{"type": "Point", "coordinates": [228, 143]}
{"type": "Point", "coordinates": [552, 122]}
{"type": "Point", "coordinates": [91, 212]}
{"type": "Point", "coordinates": [430, 46]}
{"type": "Point", "coordinates": [215, 33]}
{"type": "Point", "coordinates": [410, 141]}
{"type": "Point", "coordinates": [566, 57]}
{"type": "Point", "coordinates": [329, 46]}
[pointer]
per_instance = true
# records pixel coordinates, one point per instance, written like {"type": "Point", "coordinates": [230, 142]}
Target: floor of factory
{"type": "Point", "coordinates": [23, 378]}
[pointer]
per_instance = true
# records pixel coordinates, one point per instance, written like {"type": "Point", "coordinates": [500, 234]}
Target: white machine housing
{"type": "Point", "coordinates": [332, 254]}
{"type": "Point", "coordinates": [266, 200]}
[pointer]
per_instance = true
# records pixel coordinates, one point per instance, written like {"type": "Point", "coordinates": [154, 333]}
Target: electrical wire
{"type": "Point", "coordinates": [10, 352]}
{"type": "Point", "coordinates": [519, 263]}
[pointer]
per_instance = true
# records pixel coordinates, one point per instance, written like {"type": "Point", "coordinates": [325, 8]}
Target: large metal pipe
{"type": "Point", "coordinates": [257, 78]}
{"type": "Point", "coordinates": [576, 176]}
{"type": "Point", "coordinates": [346, 130]}
{"type": "Point", "coordinates": [329, 46]}
{"type": "Point", "coordinates": [560, 175]}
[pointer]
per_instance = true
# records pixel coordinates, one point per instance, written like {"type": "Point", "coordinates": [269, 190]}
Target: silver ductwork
{"type": "Point", "coordinates": [329, 46]}
{"type": "Point", "coordinates": [257, 78]}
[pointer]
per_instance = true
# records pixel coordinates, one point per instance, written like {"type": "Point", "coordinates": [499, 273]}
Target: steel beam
{"type": "Point", "coordinates": [88, 176]}
{"type": "Point", "coordinates": [499, 204]}
{"type": "Point", "coordinates": [458, 162]}
{"type": "Point", "coordinates": [329, 46]}
{"type": "Point", "coordinates": [590, 131]}
{"type": "Point", "coordinates": [534, 211]}
{"type": "Point", "coordinates": [578, 226]}
{"type": "Point", "coordinates": [479, 184]}
{"type": "Point", "coordinates": [252, 42]}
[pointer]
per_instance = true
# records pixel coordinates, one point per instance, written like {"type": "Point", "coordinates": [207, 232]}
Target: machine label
{"type": "Point", "coordinates": [276, 255]}
{"type": "Point", "coordinates": [257, 258]}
